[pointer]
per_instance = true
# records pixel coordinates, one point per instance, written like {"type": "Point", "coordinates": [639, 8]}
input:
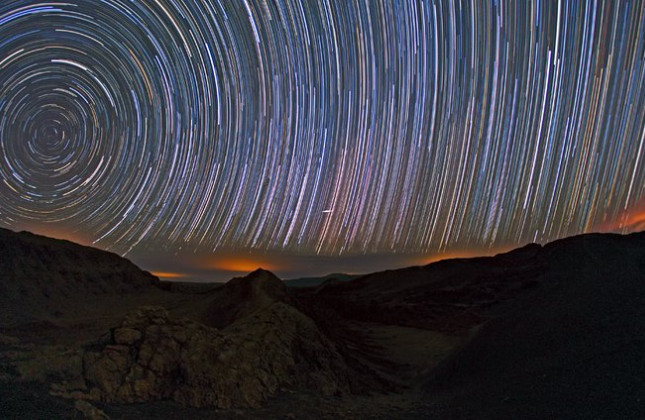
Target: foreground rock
{"type": "Point", "coordinates": [153, 357]}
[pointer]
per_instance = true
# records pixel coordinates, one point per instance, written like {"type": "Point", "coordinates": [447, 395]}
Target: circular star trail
{"type": "Point", "coordinates": [321, 127]}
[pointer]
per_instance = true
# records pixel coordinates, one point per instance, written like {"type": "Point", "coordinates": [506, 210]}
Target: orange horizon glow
{"type": "Point", "coordinates": [237, 264]}
{"type": "Point", "coordinates": [168, 275]}
{"type": "Point", "coordinates": [240, 265]}
{"type": "Point", "coordinates": [632, 220]}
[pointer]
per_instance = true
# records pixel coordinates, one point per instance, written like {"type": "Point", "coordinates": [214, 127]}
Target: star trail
{"type": "Point", "coordinates": [321, 128]}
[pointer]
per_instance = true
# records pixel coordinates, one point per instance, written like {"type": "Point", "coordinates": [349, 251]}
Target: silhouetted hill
{"type": "Point", "coordinates": [37, 273]}
{"type": "Point", "coordinates": [450, 296]}
{"type": "Point", "coordinates": [317, 281]}
{"type": "Point", "coordinates": [556, 330]}
{"type": "Point", "coordinates": [572, 350]}
{"type": "Point", "coordinates": [235, 345]}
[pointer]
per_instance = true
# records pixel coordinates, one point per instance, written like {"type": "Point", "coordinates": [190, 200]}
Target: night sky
{"type": "Point", "coordinates": [205, 138]}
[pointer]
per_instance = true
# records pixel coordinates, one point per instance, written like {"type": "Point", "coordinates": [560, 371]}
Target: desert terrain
{"type": "Point", "coordinates": [553, 331]}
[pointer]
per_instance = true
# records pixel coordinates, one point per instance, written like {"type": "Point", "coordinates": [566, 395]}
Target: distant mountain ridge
{"type": "Point", "coordinates": [317, 281]}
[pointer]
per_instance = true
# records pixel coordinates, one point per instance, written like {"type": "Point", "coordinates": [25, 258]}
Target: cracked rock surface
{"type": "Point", "coordinates": [151, 356]}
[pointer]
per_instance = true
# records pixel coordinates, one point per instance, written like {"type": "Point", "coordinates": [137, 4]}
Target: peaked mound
{"type": "Point", "coordinates": [259, 284]}
{"type": "Point", "coordinates": [243, 296]}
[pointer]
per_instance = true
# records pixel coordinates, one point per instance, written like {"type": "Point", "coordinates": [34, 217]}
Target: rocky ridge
{"type": "Point", "coordinates": [41, 274]}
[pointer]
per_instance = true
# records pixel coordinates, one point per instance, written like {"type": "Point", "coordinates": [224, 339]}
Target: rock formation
{"type": "Point", "coordinates": [37, 274]}
{"type": "Point", "coordinates": [269, 346]}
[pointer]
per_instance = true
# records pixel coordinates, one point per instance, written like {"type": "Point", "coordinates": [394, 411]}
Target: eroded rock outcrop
{"type": "Point", "coordinates": [42, 278]}
{"type": "Point", "coordinates": [151, 356]}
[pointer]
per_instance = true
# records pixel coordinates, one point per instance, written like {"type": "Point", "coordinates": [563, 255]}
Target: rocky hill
{"type": "Point", "coordinates": [451, 296]}
{"type": "Point", "coordinates": [571, 350]}
{"type": "Point", "coordinates": [265, 345]}
{"type": "Point", "coordinates": [40, 275]}
{"type": "Point", "coordinates": [34, 264]}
